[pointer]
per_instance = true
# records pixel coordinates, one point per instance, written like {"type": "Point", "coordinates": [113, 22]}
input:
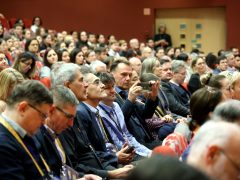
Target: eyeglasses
{"type": "Point", "coordinates": [234, 164]}
{"type": "Point", "coordinates": [67, 115]}
{"type": "Point", "coordinates": [43, 116]}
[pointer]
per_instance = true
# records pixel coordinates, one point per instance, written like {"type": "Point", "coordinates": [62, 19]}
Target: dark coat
{"type": "Point", "coordinates": [175, 100]}
{"type": "Point", "coordinates": [15, 163]}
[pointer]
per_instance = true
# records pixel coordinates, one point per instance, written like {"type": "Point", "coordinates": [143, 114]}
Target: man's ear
{"type": "Point", "coordinates": [67, 84]}
{"type": "Point", "coordinates": [212, 155]}
{"type": "Point", "coordinates": [52, 109]}
{"type": "Point", "coordinates": [22, 107]}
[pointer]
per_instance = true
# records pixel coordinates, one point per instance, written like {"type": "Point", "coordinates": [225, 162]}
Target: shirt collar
{"type": "Point", "coordinates": [22, 132]}
{"type": "Point", "coordinates": [93, 109]}
{"type": "Point", "coordinates": [109, 109]}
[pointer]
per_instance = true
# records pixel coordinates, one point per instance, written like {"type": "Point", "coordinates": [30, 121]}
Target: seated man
{"type": "Point", "coordinates": [113, 119]}
{"type": "Point", "coordinates": [60, 117]}
{"type": "Point", "coordinates": [173, 91]}
{"type": "Point", "coordinates": [180, 93]}
{"type": "Point", "coordinates": [215, 150]}
{"type": "Point", "coordinates": [134, 112]}
{"type": "Point", "coordinates": [26, 111]}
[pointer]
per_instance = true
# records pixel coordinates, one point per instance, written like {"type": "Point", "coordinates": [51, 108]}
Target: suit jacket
{"type": "Point", "coordinates": [45, 143]}
{"type": "Point", "coordinates": [194, 83]}
{"type": "Point", "coordinates": [135, 115]}
{"type": "Point", "coordinates": [182, 94]}
{"type": "Point", "coordinates": [174, 99]}
{"type": "Point", "coordinates": [88, 120]}
{"type": "Point", "coordinates": [83, 156]}
{"type": "Point", "coordinates": [15, 163]}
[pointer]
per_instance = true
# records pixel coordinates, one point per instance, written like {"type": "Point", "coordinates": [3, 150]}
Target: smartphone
{"type": "Point", "coordinates": [129, 149]}
{"type": "Point", "coordinates": [146, 86]}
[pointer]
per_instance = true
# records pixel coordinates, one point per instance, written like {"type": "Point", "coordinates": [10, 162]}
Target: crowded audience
{"type": "Point", "coordinates": [81, 105]}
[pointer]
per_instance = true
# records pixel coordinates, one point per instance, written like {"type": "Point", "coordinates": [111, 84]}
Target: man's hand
{"type": "Point", "coordinates": [90, 177]}
{"type": "Point", "coordinates": [155, 87]}
{"type": "Point", "coordinates": [167, 118]}
{"type": "Point", "coordinates": [121, 172]}
{"type": "Point", "coordinates": [134, 91]}
{"type": "Point", "coordinates": [123, 157]}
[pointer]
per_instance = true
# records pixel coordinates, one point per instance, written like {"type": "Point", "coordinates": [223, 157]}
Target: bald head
{"type": "Point", "coordinates": [215, 150]}
{"type": "Point", "coordinates": [136, 64]}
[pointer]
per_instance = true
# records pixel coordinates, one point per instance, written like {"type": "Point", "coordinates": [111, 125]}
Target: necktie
{"type": "Point", "coordinates": [102, 127]}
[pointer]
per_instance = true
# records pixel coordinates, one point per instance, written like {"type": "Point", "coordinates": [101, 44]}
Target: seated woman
{"type": "Point", "coordinates": [50, 58]}
{"type": "Point", "coordinates": [202, 104]}
{"type": "Point", "coordinates": [26, 65]}
{"type": "Point", "coordinates": [199, 68]}
{"type": "Point", "coordinates": [9, 78]}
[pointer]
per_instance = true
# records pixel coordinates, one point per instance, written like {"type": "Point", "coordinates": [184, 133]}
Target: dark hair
{"type": "Point", "coordinates": [106, 78]}
{"type": "Point", "coordinates": [31, 91]}
{"type": "Point", "coordinates": [34, 20]}
{"type": "Point", "coordinates": [24, 57]}
{"type": "Point", "coordinates": [45, 60]}
{"type": "Point", "coordinates": [212, 80]}
{"type": "Point", "coordinates": [211, 61]}
{"type": "Point", "coordinates": [228, 111]}
{"type": "Point", "coordinates": [163, 61]}
{"type": "Point", "coordinates": [60, 53]}
{"type": "Point", "coordinates": [159, 167]}
{"type": "Point", "coordinates": [117, 62]}
{"type": "Point", "coordinates": [183, 56]}
{"type": "Point", "coordinates": [220, 58]}
{"type": "Point", "coordinates": [202, 102]}
{"type": "Point", "coordinates": [28, 42]}
{"type": "Point", "coordinates": [73, 54]}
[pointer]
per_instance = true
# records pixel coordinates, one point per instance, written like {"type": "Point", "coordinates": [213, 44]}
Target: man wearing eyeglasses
{"type": "Point", "coordinates": [25, 113]}
{"type": "Point", "coordinates": [215, 150]}
{"type": "Point", "coordinates": [60, 117]}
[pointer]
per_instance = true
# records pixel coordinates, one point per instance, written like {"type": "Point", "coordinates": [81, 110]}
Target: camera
{"type": "Point", "coordinates": [146, 86]}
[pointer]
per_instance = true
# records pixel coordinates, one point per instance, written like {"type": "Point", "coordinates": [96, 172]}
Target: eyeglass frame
{"type": "Point", "coordinates": [67, 115]}
{"type": "Point", "coordinates": [43, 115]}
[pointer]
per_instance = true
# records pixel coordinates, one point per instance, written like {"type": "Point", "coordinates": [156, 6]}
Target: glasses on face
{"type": "Point", "coordinates": [234, 164]}
{"type": "Point", "coordinates": [43, 116]}
{"type": "Point", "coordinates": [67, 115]}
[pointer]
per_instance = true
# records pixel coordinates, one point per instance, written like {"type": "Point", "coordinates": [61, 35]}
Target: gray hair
{"type": "Point", "coordinates": [96, 64]}
{"type": "Point", "coordinates": [177, 65]}
{"type": "Point", "coordinates": [214, 132]}
{"type": "Point", "coordinates": [67, 72]}
{"type": "Point", "coordinates": [228, 111]}
{"type": "Point", "coordinates": [63, 96]}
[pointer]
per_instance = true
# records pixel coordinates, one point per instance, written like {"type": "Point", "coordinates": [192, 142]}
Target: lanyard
{"type": "Point", "coordinates": [16, 136]}
{"type": "Point", "coordinates": [116, 122]}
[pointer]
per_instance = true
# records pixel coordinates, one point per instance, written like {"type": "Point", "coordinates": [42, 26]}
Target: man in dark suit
{"type": "Point", "coordinates": [60, 117]}
{"type": "Point", "coordinates": [179, 75]}
{"type": "Point", "coordinates": [26, 111]}
{"type": "Point", "coordinates": [177, 96]}
{"type": "Point", "coordinates": [75, 141]}
{"type": "Point", "coordinates": [134, 112]}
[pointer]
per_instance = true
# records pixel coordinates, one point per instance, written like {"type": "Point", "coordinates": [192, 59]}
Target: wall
{"type": "Point", "coordinates": [123, 18]}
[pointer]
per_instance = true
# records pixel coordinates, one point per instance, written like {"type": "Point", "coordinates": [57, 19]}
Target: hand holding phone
{"type": "Point", "coordinates": [129, 150]}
